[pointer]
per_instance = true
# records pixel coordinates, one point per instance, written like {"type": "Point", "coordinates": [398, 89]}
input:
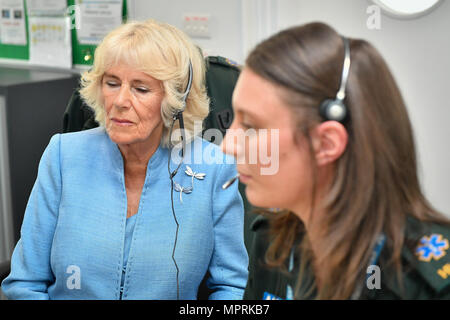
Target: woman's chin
{"type": "Point", "coordinates": [120, 138]}
{"type": "Point", "coordinates": [257, 199]}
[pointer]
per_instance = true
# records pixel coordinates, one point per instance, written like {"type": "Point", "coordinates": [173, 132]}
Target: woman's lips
{"type": "Point", "coordinates": [244, 178]}
{"type": "Point", "coordinates": [121, 122]}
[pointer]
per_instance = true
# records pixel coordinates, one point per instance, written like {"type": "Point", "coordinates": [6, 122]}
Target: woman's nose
{"type": "Point", "coordinates": [123, 98]}
{"type": "Point", "coordinates": [226, 145]}
{"type": "Point", "coordinates": [231, 143]}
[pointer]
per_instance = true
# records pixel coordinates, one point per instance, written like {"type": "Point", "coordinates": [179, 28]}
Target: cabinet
{"type": "Point", "coordinates": [32, 104]}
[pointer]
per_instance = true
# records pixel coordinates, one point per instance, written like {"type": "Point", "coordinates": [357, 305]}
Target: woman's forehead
{"type": "Point", "coordinates": [121, 70]}
{"type": "Point", "coordinates": [122, 58]}
{"type": "Point", "coordinates": [258, 98]}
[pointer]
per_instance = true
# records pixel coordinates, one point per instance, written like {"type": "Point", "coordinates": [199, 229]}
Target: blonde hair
{"type": "Point", "coordinates": [161, 51]}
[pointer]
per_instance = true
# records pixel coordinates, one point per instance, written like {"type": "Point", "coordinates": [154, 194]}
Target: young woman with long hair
{"type": "Point", "coordinates": [354, 222]}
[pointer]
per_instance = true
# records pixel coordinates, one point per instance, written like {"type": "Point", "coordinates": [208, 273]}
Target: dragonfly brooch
{"type": "Point", "coordinates": [182, 190]}
{"type": "Point", "coordinates": [187, 190]}
{"type": "Point", "coordinates": [196, 175]}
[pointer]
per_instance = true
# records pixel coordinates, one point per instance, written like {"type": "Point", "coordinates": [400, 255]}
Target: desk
{"type": "Point", "coordinates": [32, 104]}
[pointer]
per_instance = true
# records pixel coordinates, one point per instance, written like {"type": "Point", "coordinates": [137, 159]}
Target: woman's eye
{"type": "Point", "coordinates": [246, 125]}
{"type": "Point", "coordinates": [111, 84]}
{"type": "Point", "coordinates": [142, 90]}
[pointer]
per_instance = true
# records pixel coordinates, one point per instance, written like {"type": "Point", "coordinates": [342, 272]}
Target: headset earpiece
{"type": "Point", "coordinates": [335, 109]}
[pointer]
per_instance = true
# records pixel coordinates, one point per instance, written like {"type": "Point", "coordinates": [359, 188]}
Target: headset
{"type": "Point", "coordinates": [329, 109]}
{"type": "Point", "coordinates": [335, 109]}
{"type": "Point", "coordinates": [178, 115]}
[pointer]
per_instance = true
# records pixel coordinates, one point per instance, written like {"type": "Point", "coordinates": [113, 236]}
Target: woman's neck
{"type": "Point", "coordinates": [137, 155]}
{"type": "Point", "coordinates": [311, 211]}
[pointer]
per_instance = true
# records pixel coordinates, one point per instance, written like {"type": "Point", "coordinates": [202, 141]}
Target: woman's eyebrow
{"type": "Point", "coordinates": [110, 75]}
{"type": "Point", "coordinates": [137, 80]}
{"type": "Point", "coordinates": [253, 115]}
{"type": "Point", "coordinates": [140, 81]}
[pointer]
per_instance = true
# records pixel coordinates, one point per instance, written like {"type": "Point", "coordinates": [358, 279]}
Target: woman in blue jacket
{"type": "Point", "coordinates": [110, 216]}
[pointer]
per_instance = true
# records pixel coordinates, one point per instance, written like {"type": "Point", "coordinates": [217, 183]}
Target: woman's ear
{"type": "Point", "coordinates": [329, 142]}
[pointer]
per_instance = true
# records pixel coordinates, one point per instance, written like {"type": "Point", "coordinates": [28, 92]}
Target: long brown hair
{"type": "Point", "coordinates": [375, 185]}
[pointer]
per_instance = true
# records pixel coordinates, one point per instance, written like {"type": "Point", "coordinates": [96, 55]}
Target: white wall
{"type": "Point", "coordinates": [225, 21]}
{"type": "Point", "coordinates": [418, 52]}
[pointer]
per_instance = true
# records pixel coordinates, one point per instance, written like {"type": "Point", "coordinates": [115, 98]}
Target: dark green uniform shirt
{"type": "Point", "coordinates": [425, 267]}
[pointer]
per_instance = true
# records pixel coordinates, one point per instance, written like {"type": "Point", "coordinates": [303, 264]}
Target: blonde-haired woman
{"type": "Point", "coordinates": [354, 224]}
{"type": "Point", "coordinates": [114, 214]}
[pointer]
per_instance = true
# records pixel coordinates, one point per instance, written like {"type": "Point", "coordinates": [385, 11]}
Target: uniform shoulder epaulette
{"type": "Point", "coordinates": [431, 255]}
{"type": "Point", "coordinates": [224, 62]}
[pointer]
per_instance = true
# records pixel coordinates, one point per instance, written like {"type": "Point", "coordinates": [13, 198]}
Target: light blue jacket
{"type": "Point", "coordinates": [72, 236]}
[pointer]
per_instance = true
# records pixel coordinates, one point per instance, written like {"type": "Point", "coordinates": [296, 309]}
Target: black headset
{"type": "Point", "coordinates": [335, 109]}
{"type": "Point", "coordinates": [178, 115]}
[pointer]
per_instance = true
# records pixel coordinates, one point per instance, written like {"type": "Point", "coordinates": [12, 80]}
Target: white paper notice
{"type": "Point", "coordinates": [97, 19]}
{"type": "Point", "coordinates": [12, 21]}
{"type": "Point", "coordinates": [46, 7]}
{"type": "Point", "coordinates": [50, 41]}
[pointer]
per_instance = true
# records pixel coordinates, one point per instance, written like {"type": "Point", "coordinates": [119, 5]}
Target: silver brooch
{"type": "Point", "coordinates": [191, 173]}
{"type": "Point", "coordinates": [182, 190]}
{"type": "Point", "coordinates": [187, 190]}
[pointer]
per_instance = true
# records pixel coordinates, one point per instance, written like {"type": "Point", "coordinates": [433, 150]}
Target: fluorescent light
{"type": "Point", "coordinates": [406, 7]}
